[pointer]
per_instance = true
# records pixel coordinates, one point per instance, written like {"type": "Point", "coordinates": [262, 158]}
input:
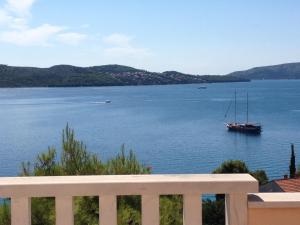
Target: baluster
{"type": "Point", "coordinates": [192, 209]}
{"type": "Point", "coordinates": [64, 210]}
{"type": "Point", "coordinates": [150, 210]}
{"type": "Point", "coordinates": [20, 211]}
{"type": "Point", "coordinates": [236, 209]}
{"type": "Point", "coordinates": [108, 210]}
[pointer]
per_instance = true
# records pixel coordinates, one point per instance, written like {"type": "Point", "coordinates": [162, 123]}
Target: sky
{"type": "Point", "coordinates": [194, 36]}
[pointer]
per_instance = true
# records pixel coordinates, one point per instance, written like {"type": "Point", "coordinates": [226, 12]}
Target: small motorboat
{"type": "Point", "coordinates": [107, 101]}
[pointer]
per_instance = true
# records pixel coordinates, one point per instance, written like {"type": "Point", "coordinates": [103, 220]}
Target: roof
{"type": "Point", "coordinates": [289, 185]}
{"type": "Point", "coordinates": [282, 185]}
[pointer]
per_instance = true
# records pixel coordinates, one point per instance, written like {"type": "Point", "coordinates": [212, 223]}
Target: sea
{"type": "Point", "coordinates": [174, 129]}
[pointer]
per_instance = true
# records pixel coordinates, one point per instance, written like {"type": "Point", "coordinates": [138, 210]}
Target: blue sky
{"type": "Point", "coordinates": [195, 36]}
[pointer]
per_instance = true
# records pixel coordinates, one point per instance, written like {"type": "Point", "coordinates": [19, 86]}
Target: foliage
{"type": "Point", "coordinates": [86, 210]}
{"type": "Point", "coordinates": [213, 212]}
{"type": "Point", "coordinates": [237, 166]}
{"type": "Point", "coordinates": [123, 164]}
{"type": "Point", "coordinates": [45, 164]}
{"type": "Point", "coordinates": [261, 176]}
{"type": "Point", "coordinates": [5, 213]}
{"type": "Point", "coordinates": [232, 166]}
{"type": "Point", "coordinates": [292, 163]}
{"type": "Point", "coordinates": [75, 159]}
{"type": "Point", "coordinates": [43, 211]}
{"type": "Point", "coordinates": [171, 210]}
{"type": "Point", "coordinates": [129, 208]}
{"type": "Point", "coordinates": [298, 171]}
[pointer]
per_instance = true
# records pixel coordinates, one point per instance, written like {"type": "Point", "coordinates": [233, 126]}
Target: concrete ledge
{"type": "Point", "coordinates": [274, 200]}
{"type": "Point", "coordinates": [127, 185]}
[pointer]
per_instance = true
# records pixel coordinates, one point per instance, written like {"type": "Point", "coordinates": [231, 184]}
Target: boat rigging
{"type": "Point", "coordinates": [251, 128]}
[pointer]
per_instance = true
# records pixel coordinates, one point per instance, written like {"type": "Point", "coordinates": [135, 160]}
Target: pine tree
{"type": "Point", "coordinates": [293, 163]}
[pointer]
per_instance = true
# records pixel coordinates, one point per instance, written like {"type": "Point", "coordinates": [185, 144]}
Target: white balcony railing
{"type": "Point", "coordinates": [235, 187]}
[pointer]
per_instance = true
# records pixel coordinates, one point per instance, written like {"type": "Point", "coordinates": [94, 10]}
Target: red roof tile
{"type": "Point", "coordinates": [289, 185]}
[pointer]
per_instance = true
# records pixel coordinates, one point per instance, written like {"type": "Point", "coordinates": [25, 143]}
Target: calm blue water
{"type": "Point", "coordinates": [174, 129]}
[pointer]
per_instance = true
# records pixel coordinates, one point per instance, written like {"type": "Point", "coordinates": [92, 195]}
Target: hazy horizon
{"type": "Point", "coordinates": [198, 38]}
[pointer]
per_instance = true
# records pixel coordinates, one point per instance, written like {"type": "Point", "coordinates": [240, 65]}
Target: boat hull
{"type": "Point", "coordinates": [244, 128]}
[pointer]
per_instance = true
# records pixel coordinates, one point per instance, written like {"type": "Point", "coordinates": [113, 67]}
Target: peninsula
{"type": "Point", "coordinates": [106, 75]}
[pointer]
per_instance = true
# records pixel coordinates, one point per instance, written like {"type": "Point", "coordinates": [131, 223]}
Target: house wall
{"type": "Point", "coordinates": [272, 216]}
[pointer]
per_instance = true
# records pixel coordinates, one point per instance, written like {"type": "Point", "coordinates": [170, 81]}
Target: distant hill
{"type": "Point", "coordinates": [282, 71]}
{"type": "Point", "coordinates": [107, 75]}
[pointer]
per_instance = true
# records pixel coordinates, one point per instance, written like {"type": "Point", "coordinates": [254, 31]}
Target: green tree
{"type": "Point", "coordinates": [171, 210]}
{"type": "Point", "coordinates": [232, 166]}
{"type": "Point", "coordinates": [5, 213]}
{"type": "Point", "coordinates": [213, 212]}
{"type": "Point", "coordinates": [237, 166]}
{"type": "Point", "coordinates": [46, 164]}
{"type": "Point", "coordinates": [292, 162]}
{"type": "Point", "coordinates": [261, 176]}
{"type": "Point", "coordinates": [123, 164]}
{"type": "Point", "coordinates": [75, 159]}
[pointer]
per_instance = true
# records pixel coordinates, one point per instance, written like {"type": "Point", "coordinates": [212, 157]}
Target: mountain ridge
{"type": "Point", "coordinates": [105, 75]}
{"type": "Point", "coordinates": [274, 72]}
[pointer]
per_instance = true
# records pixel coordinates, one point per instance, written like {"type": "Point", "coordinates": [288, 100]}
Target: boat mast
{"type": "Point", "coordinates": [247, 108]}
{"type": "Point", "coordinates": [235, 106]}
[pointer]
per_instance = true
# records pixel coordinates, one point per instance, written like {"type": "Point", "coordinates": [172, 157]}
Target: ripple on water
{"type": "Point", "coordinates": [173, 129]}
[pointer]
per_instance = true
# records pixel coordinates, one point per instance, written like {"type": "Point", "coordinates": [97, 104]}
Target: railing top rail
{"type": "Point", "coordinates": [127, 185]}
{"type": "Point", "coordinates": [274, 200]}
{"type": "Point", "coordinates": [155, 178]}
